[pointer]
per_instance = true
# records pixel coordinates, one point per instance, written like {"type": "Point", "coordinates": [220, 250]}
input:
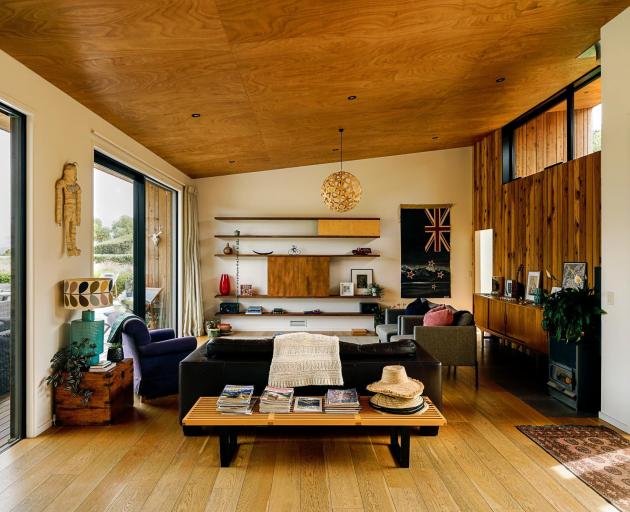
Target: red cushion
{"type": "Point", "coordinates": [438, 317]}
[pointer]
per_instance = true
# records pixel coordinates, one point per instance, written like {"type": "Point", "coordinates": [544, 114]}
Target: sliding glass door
{"type": "Point", "coordinates": [135, 241]}
{"type": "Point", "coordinates": [12, 274]}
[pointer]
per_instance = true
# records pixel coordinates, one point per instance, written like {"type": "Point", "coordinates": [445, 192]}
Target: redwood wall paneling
{"type": "Point", "coordinates": [159, 259]}
{"type": "Point", "coordinates": [541, 220]}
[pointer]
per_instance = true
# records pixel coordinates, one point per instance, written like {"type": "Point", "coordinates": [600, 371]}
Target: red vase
{"type": "Point", "coordinates": [224, 284]}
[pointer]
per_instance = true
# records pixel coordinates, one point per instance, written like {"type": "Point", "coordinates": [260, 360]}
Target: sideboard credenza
{"type": "Point", "coordinates": [520, 323]}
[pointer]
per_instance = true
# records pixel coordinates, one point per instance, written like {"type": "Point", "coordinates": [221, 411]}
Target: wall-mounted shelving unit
{"type": "Point", "coordinates": [267, 313]}
{"type": "Point", "coordinates": [308, 271]}
{"type": "Point", "coordinates": [345, 297]}
{"type": "Point", "coordinates": [310, 255]}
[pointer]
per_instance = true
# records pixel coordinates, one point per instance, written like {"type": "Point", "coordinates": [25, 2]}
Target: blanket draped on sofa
{"type": "Point", "coordinates": [305, 359]}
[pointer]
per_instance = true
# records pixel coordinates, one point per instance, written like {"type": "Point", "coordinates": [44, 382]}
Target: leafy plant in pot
{"type": "Point", "coordinates": [571, 317]}
{"type": "Point", "coordinates": [115, 352]}
{"type": "Point", "coordinates": [68, 366]}
{"type": "Point", "coordinates": [571, 314]}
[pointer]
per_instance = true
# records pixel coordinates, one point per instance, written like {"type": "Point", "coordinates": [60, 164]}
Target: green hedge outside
{"type": "Point", "coordinates": [113, 258]}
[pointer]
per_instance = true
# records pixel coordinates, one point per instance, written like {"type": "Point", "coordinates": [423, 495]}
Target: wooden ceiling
{"type": "Point", "coordinates": [271, 78]}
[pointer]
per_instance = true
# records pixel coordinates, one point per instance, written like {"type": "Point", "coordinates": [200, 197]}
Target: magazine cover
{"type": "Point", "coordinates": [235, 392]}
{"type": "Point", "coordinates": [277, 394]}
{"type": "Point", "coordinates": [307, 404]}
{"type": "Point", "coordinates": [342, 396]}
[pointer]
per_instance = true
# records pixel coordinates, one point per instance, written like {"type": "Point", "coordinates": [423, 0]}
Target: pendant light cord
{"type": "Point", "coordinates": [341, 148]}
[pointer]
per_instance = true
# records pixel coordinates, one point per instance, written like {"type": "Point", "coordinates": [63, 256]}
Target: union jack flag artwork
{"type": "Point", "coordinates": [438, 227]}
{"type": "Point", "coordinates": [425, 251]}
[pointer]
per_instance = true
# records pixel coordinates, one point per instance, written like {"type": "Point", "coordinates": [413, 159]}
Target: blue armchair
{"type": "Point", "coordinates": [156, 355]}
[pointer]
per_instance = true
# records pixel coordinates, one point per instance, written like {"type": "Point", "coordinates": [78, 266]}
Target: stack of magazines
{"type": "Point", "coordinates": [236, 399]}
{"type": "Point", "coordinates": [342, 401]}
{"type": "Point", "coordinates": [276, 400]}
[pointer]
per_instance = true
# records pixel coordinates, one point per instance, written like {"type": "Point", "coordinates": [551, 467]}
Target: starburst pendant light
{"type": "Point", "coordinates": [341, 191]}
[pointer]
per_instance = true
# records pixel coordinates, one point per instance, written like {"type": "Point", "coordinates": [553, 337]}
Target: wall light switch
{"type": "Point", "coordinates": [610, 298]}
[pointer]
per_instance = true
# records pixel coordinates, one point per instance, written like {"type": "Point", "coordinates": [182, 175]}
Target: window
{"type": "Point", "coordinates": [588, 119]}
{"type": "Point", "coordinates": [12, 274]}
{"type": "Point", "coordinates": [135, 241]}
{"type": "Point", "coordinates": [546, 135]}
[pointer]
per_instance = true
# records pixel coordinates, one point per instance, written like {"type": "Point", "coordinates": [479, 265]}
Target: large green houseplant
{"type": "Point", "coordinates": [67, 367]}
{"type": "Point", "coordinates": [571, 314]}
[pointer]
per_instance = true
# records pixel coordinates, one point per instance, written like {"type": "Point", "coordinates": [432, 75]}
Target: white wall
{"type": "Point", "coordinates": [422, 178]}
{"type": "Point", "coordinates": [59, 130]}
{"type": "Point", "coordinates": [615, 406]}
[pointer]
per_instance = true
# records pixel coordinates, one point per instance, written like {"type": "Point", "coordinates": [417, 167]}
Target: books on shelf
{"type": "Point", "coordinates": [236, 399]}
{"type": "Point", "coordinates": [102, 367]}
{"type": "Point", "coordinates": [275, 399]}
{"type": "Point", "coordinates": [342, 401]}
{"type": "Point", "coordinates": [307, 404]}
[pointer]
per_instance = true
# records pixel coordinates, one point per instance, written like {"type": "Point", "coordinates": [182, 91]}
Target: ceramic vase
{"type": "Point", "coordinates": [224, 284]}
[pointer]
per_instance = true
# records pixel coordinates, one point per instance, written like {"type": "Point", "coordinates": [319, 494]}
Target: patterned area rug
{"type": "Point", "coordinates": [596, 455]}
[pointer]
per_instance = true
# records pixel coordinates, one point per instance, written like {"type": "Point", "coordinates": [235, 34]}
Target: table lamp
{"type": "Point", "coordinates": [87, 294]}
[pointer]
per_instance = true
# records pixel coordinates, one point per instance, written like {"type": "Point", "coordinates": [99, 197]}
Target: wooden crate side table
{"type": "Point", "coordinates": [204, 414]}
{"type": "Point", "coordinates": [113, 395]}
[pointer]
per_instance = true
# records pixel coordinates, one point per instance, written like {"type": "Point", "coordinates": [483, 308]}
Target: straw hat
{"type": "Point", "coordinates": [391, 402]}
{"type": "Point", "coordinates": [394, 382]}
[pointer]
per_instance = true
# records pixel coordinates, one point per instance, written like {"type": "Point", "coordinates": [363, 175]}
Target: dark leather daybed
{"type": "Point", "coordinates": [231, 360]}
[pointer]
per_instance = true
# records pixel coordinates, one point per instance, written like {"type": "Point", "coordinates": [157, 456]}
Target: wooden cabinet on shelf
{"type": "Point", "coordinates": [520, 323]}
{"type": "Point", "coordinates": [298, 276]}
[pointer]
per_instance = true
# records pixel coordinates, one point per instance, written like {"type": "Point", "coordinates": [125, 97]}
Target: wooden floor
{"type": "Point", "coordinates": [5, 419]}
{"type": "Point", "coordinates": [479, 462]}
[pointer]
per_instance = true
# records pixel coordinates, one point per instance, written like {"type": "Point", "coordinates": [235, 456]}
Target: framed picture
{"type": "Point", "coordinates": [346, 289]}
{"type": "Point", "coordinates": [509, 284]}
{"type": "Point", "coordinates": [574, 274]}
{"type": "Point", "coordinates": [362, 279]}
{"type": "Point", "coordinates": [247, 290]}
{"type": "Point", "coordinates": [555, 289]}
{"type": "Point", "coordinates": [533, 283]}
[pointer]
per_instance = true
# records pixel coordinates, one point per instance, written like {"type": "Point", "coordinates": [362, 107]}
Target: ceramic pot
{"type": "Point", "coordinates": [227, 249]}
{"type": "Point", "coordinates": [224, 284]}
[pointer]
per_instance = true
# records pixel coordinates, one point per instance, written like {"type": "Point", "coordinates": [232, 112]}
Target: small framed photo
{"type": "Point", "coordinates": [509, 285]}
{"type": "Point", "coordinates": [247, 290]}
{"type": "Point", "coordinates": [574, 274]}
{"type": "Point", "coordinates": [555, 289]}
{"type": "Point", "coordinates": [533, 283]}
{"type": "Point", "coordinates": [346, 289]}
{"type": "Point", "coordinates": [362, 279]}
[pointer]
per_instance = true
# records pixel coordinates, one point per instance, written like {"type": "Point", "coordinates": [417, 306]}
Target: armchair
{"type": "Point", "coordinates": [156, 355]}
{"type": "Point", "coordinates": [454, 345]}
{"type": "Point", "coordinates": [398, 326]}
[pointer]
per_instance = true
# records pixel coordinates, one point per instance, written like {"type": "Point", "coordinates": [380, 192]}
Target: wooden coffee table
{"type": "Point", "coordinates": [204, 414]}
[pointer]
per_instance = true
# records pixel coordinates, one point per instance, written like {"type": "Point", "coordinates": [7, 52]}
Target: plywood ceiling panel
{"type": "Point", "coordinates": [271, 77]}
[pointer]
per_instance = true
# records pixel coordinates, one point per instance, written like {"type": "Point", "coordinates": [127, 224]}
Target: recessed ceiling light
{"type": "Point", "coordinates": [196, 115]}
{"type": "Point", "coordinates": [352, 97]}
{"type": "Point", "coordinates": [500, 79]}
{"type": "Point", "coordinates": [232, 161]}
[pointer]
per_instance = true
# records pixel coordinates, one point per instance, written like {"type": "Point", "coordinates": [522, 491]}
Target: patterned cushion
{"type": "Point", "coordinates": [438, 317]}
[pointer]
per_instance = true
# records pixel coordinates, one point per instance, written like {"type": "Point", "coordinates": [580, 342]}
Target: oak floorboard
{"type": "Point", "coordinates": [196, 491]}
{"type": "Point", "coordinates": [256, 489]}
{"type": "Point", "coordinates": [344, 487]}
{"type": "Point", "coordinates": [314, 489]}
{"type": "Point", "coordinates": [285, 487]}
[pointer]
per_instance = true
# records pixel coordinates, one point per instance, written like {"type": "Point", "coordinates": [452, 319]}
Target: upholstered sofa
{"type": "Point", "coordinates": [232, 360]}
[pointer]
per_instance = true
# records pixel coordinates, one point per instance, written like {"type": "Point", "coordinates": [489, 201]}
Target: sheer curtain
{"type": "Point", "coordinates": [192, 299]}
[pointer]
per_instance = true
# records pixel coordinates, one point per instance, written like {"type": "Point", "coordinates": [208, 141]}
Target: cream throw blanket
{"type": "Point", "coordinates": [305, 359]}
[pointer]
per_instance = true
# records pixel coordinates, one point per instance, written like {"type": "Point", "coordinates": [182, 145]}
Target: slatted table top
{"type": "Point", "coordinates": [204, 414]}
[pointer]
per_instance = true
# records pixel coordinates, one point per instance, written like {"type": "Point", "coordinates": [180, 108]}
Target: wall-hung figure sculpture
{"type": "Point", "coordinates": [68, 207]}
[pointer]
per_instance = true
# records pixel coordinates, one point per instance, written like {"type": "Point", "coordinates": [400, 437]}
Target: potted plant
{"type": "Point", "coordinates": [115, 352]}
{"type": "Point", "coordinates": [68, 366]}
{"type": "Point", "coordinates": [376, 290]}
{"type": "Point", "coordinates": [571, 318]}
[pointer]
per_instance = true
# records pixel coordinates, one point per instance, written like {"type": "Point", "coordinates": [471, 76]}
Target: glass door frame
{"type": "Point", "coordinates": [139, 231]}
{"type": "Point", "coordinates": [18, 273]}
